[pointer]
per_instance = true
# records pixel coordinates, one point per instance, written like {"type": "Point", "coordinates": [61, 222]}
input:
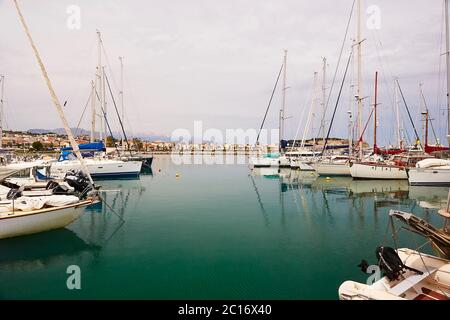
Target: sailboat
{"type": "Point", "coordinates": [99, 164]}
{"type": "Point", "coordinates": [433, 172]}
{"type": "Point", "coordinates": [380, 169]}
{"type": "Point", "coordinates": [339, 165]}
{"type": "Point", "coordinates": [23, 211]}
{"type": "Point", "coordinates": [275, 159]}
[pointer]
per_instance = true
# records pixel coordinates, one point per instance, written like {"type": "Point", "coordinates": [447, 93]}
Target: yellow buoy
{"type": "Point", "coordinates": [177, 175]}
{"type": "Point", "coordinates": [328, 178]}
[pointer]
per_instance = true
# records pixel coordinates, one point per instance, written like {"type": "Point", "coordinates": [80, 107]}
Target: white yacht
{"type": "Point", "coordinates": [430, 172]}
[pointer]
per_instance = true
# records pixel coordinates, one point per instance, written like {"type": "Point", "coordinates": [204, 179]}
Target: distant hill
{"type": "Point", "coordinates": [80, 131]}
{"type": "Point", "coordinates": [61, 131]}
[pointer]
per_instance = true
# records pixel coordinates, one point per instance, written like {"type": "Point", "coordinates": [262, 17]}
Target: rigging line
{"type": "Point", "coordinates": [365, 127]}
{"type": "Point", "coordinates": [302, 117]}
{"type": "Point", "coordinates": [132, 100]}
{"type": "Point", "coordinates": [54, 97]}
{"type": "Point", "coordinates": [428, 112]}
{"type": "Point", "coordinates": [339, 62]}
{"type": "Point", "coordinates": [106, 121]}
{"type": "Point", "coordinates": [109, 66]}
{"type": "Point", "coordinates": [82, 115]}
{"type": "Point", "coordinates": [440, 78]}
{"type": "Point", "coordinates": [84, 70]}
{"type": "Point", "coordinates": [261, 205]}
{"type": "Point", "coordinates": [118, 115]}
{"type": "Point", "coordinates": [409, 114]}
{"type": "Point", "coordinates": [337, 103]}
{"type": "Point", "coordinates": [270, 102]}
{"type": "Point", "coordinates": [111, 208]}
{"type": "Point", "coordinates": [4, 115]}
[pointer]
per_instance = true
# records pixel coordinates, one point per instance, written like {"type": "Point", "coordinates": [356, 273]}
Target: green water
{"type": "Point", "coordinates": [216, 232]}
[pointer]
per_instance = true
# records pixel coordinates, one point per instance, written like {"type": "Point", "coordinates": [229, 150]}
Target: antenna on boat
{"type": "Point", "coordinates": [54, 97]}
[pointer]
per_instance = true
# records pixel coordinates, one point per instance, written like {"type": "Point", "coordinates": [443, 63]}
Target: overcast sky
{"type": "Point", "coordinates": [216, 61]}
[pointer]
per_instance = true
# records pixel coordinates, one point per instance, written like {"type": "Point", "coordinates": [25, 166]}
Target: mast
{"type": "Point", "coordinates": [104, 114]}
{"type": "Point", "coordinates": [375, 148]}
{"type": "Point", "coordinates": [350, 133]}
{"type": "Point", "coordinates": [310, 114]}
{"type": "Point", "coordinates": [399, 129]}
{"type": "Point", "coordinates": [93, 98]}
{"type": "Point", "coordinates": [54, 97]}
{"type": "Point", "coordinates": [99, 81]}
{"type": "Point", "coordinates": [426, 129]}
{"type": "Point", "coordinates": [121, 94]}
{"type": "Point", "coordinates": [2, 79]}
{"type": "Point", "coordinates": [121, 87]}
{"type": "Point", "coordinates": [447, 56]}
{"type": "Point", "coordinates": [359, 76]}
{"type": "Point", "coordinates": [322, 121]}
{"type": "Point", "coordinates": [283, 104]}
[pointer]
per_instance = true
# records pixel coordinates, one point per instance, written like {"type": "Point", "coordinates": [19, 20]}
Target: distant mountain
{"type": "Point", "coordinates": [61, 131]}
{"type": "Point", "coordinates": [80, 131]}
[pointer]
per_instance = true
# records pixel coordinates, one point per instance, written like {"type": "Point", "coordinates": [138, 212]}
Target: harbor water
{"type": "Point", "coordinates": [217, 231]}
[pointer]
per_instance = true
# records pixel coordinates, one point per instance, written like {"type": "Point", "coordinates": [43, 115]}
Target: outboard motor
{"type": "Point", "coordinates": [78, 181]}
{"type": "Point", "coordinates": [390, 263]}
{"type": "Point", "coordinates": [14, 194]}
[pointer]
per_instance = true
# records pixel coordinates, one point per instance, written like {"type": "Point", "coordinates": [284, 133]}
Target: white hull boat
{"type": "Point", "coordinates": [378, 171]}
{"type": "Point", "coordinates": [430, 172]}
{"type": "Point", "coordinates": [98, 168]}
{"type": "Point", "coordinates": [273, 162]}
{"type": "Point", "coordinates": [19, 223]}
{"type": "Point", "coordinates": [433, 284]}
{"type": "Point", "coordinates": [429, 176]}
{"type": "Point", "coordinates": [332, 169]}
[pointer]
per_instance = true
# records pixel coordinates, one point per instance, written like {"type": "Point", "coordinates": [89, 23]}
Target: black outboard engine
{"type": "Point", "coordinates": [13, 194]}
{"type": "Point", "coordinates": [78, 181]}
{"type": "Point", "coordinates": [390, 263]}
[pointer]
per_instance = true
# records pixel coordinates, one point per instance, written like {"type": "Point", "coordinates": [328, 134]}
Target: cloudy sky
{"type": "Point", "coordinates": [216, 61]}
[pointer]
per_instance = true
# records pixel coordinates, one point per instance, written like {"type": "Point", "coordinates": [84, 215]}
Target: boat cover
{"type": "Point", "coordinates": [428, 163]}
{"type": "Point", "coordinates": [36, 203]}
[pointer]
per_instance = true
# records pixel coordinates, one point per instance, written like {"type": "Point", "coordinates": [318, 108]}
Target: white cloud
{"type": "Point", "coordinates": [214, 61]}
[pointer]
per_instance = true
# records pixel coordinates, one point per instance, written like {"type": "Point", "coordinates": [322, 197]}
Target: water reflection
{"type": "Point", "coordinates": [39, 251]}
{"type": "Point", "coordinates": [310, 192]}
{"type": "Point", "coordinates": [82, 241]}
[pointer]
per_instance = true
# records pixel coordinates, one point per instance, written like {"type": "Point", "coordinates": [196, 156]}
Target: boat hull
{"type": "Point", "coordinates": [99, 168]}
{"type": "Point", "coordinates": [429, 177]}
{"type": "Point", "coordinates": [377, 172]}
{"type": "Point", "coordinates": [332, 169]}
{"type": "Point", "coordinates": [280, 162]}
{"type": "Point", "coordinates": [20, 224]}
{"type": "Point", "coordinates": [301, 165]}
